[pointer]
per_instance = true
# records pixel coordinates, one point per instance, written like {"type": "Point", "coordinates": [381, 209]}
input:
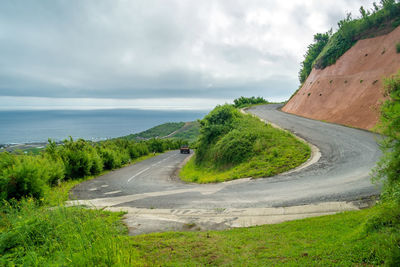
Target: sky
{"type": "Point", "coordinates": [156, 54]}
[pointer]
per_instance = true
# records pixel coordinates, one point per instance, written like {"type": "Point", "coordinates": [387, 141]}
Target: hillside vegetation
{"type": "Point", "coordinates": [32, 175]}
{"type": "Point", "coordinates": [186, 131]}
{"type": "Point", "coordinates": [234, 145]}
{"type": "Point", "coordinates": [189, 132]}
{"type": "Point", "coordinates": [157, 131]}
{"type": "Point", "coordinates": [328, 47]}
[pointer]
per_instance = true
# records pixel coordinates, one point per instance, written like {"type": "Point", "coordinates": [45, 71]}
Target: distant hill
{"type": "Point", "coordinates": [176, 130]}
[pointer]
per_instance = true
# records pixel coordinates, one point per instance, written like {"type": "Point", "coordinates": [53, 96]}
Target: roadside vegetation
{"type": "Point", "coordinates": [328, 47]}
{"type": "Point", "coordinates": [32, 175]}
{"type": "Point", "coordinates": [234, 145]}
{"type": "Point", "coordinates": [35, 235]}
{"type": "Point", "coordinates": [243, 102]}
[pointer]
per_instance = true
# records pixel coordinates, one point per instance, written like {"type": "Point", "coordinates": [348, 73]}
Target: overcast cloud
{"type": "Point", "coordinates": [157, 50]}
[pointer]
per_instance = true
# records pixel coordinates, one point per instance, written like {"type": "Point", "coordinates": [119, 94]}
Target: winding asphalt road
{"type": "Point", "coordinates": [157, 201]}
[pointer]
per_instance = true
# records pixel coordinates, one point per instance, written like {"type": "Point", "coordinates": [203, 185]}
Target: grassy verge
{"type": "Point", "coordinates": [35, 235]}
{"type": "Point", "coordinates": [246, 148]}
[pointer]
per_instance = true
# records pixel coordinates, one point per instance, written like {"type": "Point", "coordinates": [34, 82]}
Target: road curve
{"type": "Point", "coordinates": [156, 201]}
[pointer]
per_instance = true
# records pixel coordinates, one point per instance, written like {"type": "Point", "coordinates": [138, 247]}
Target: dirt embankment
{"type": "Point", "coordinates": [350, 91]}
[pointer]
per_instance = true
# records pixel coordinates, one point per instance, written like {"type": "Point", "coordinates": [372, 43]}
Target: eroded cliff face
{"type": "Point", "coordinates": [350, 91]}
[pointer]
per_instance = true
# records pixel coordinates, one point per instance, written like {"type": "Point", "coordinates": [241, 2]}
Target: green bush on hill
{"type": "Point", "coordinates": [382, 19]}
{"type": "Point", "coordinates": [243, 102]}
{"type": "Point", "coordinates": [234, 145]}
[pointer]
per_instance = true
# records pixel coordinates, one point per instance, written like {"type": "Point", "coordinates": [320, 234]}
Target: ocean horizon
{"type": "Point", "coordinates": [17, 127]}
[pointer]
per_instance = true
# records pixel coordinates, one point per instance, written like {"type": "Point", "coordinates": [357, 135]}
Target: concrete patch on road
{"type": "Point", "coordinates": [141, 221]}
{"type": "Point", "coordinates": [114, 201]}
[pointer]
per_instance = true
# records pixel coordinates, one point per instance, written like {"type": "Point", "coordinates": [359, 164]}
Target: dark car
{"type": "Point", "coordinates": [185, 150]}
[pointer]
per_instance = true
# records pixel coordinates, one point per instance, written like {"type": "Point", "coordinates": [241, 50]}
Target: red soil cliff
{"type": "Point", "coordinates": [350, 91]}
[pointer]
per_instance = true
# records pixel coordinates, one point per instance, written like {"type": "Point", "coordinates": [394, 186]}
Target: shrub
{"type": "Point", "coordinates": [398, 47]}
{"type": "Point", "coordinates": [23, 175]}
{"type": "Point", "coordinates": [389, 166]}
{"type": "Point", "coordinates": [111, 159]}
{"type": "Point", "coordinates": [235, 147]}
{"type": "Point", "coordinates": [141, 148]}
{"type": "Point", "coordinates": [217, 123]}
{"type": "Point", "coordinates": [80, 158]}
{"type": "Point", "coordinates": [242, 101]}
{"type": "Point", "coordinates": [156, 145]}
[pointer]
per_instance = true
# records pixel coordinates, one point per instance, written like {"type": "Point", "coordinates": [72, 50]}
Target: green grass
{"type": "Point", "coordinates": [33, 235]}
{"type": "Point", "coordinates": [273, 151]}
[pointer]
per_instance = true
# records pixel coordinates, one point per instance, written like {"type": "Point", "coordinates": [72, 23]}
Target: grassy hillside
{"type": "Point", "coordinates": [328, 47]}
{"type": "Point", "coordinates": [157, 131]}
{"type": "Point", "coordinates": [188, 131]}
{"type": "Point", "coordinates": [233, 145]}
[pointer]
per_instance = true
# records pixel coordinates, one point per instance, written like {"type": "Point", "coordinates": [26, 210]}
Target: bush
{"type": "Point", "coordinates": [22, 176]}
{"type": "Point", "coordinates": [398, 47]}
{"type": "Point", "coordinates": [242, 101]}
{"type": "Point", "coordinates": [80, 159]}
{"type": "Point", "coordinates": [217, 123]}
{"type": "Point", "coordinates": [111, 159]}
{"type": "Point", "coordinates": [388, 168]}
{"type": "Point", "coordinates": [234, 148]}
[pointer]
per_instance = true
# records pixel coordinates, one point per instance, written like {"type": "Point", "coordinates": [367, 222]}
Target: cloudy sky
{"type": "Point", "coordinates": [156, 53]}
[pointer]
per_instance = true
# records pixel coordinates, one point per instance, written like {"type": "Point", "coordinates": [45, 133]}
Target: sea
{"type": "Point", "coordinates": [19, 127]}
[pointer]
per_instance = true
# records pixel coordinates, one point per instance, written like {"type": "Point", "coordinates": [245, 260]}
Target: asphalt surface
{"type": "Point", "coordinates": [341, 174]}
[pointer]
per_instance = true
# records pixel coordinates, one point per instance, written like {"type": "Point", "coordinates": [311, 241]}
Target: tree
{"type": "Point", "coordinates": [314, 49]}
{"type": "Point", "coordinates": [389, 166]}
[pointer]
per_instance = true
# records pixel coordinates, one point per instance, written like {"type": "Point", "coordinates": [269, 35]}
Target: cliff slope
{"type": "Point", "coordinates": [350, 91]}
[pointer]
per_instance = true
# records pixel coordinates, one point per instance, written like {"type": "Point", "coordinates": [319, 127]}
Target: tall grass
{"type": "Point", "coordinates": [34, 235]}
